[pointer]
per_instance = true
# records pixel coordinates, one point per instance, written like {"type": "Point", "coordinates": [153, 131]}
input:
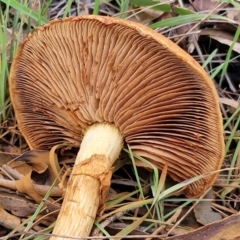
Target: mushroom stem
{"type": "Point", "coordinates": [89, 181]}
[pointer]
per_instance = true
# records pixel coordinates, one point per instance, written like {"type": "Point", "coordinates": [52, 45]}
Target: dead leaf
{"type": "Point", "coordinates": [38, 163]}
{"type": "Point", "coordinates": [52, 207]}
{"type": "Point", "coordinates": [233, 14]}
{"type": "Point", "coordinates": [226, 229]}
{"type": "Point", "coordinates": [41, 189]}
{"type": "Point", "coordinates": [222, 37]}
{"type": "Point", "coordinates": [203, 211]}
{"type": "Point", "coordinates": [144, 15]}
{"type": "Point", "coordinates": [53, 160]}
{"type": "Point", "coordinates": [205, 5]}
{"type": "Point", "coordinates": [25, 185]}
{"type": "Point", "coordinates": [36, 170]}
{"type": "Point", "coordinates": [236, 46]}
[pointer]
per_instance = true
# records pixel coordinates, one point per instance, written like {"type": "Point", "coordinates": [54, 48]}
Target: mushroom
{"type": "Point", "coordinates": [97, 82]}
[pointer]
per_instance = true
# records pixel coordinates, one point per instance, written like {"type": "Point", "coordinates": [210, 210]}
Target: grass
{"type": "Point", "coordinates": [3, 69]}
{"type": "Point", "coordinates": [126, 206]}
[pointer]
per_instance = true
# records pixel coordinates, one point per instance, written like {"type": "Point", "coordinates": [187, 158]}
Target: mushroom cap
{"type": "Point", "coordinates": [72, 73]}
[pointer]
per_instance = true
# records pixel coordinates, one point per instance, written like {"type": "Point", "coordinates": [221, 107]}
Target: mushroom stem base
{"type": "Point", "coordinates": [89, 181]}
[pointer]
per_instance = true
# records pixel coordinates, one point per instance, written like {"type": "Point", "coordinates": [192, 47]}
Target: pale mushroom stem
{"type": "Point", "coordinates": [89, 180]}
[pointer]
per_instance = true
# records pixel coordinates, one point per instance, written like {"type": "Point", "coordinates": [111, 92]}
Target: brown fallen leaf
{"type": "Point", "coordinates": [221, 36]}
{"type": "Point", "coordinates": [52, 207]}
{"type": "Point", "coordinates": [25, 185]}
{"type": "Point", "coordinates": [226, 229]}
{"type": "Point", "coordinates": [36, 162]}
{"type": "Point", "coordinates": [233, 14]}
{"type": "Point", "coordinates": [236, 46]}
{"type": "Point", "coordinates": [144, 15]}
{"type": "Point", "coordinates": [206, 5]}
{"type": "Point", "coordinates": [203, 211]}
{"type": "Point", "coordinates": [41, 189]}
{"type": "Point", "coordinates": [34, 170]}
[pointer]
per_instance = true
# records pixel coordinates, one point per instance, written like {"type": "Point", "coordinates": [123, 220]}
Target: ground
{"type": "Point", "coordinates": [141, 203]}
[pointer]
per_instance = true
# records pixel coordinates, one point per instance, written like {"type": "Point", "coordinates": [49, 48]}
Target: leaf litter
{"type": "Point", "coordinates": [131, 207]}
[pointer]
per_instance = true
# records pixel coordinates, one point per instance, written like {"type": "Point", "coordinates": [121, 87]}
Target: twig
{"type": "Point", "coordinates": [42, 189]}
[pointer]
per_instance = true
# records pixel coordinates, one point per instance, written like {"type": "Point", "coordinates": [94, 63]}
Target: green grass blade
{"type": "Point", "coordinates": [235, 4]}
{"type": "Point", "coordinates": [120, 199]}
{"type": "Point", "coordinates": [229, 53]}
{"type": "Point", "coordinates": [26, 10]}
{"type": "Point", "coordinates": [3, 64]}
{"type": "Point", "coordinates": [124, 232]}
{"type": "Point", "coordinates": [210, 58]}
{"type": "Point", "coordinates": [40, 206]}
{"type": "Point", "coordinates": [124, 5]}
{"type": "Point", "coordinates": [129, 206]}
{"type": "Point", "coordinates": [232, 134]}
{"type": "Point", "coordinates": [219, 68]}
{"type": "Point", "coordinates": [184, 19]}
{"type": "Point", "coordinates": [96, 7]}
{"type": "Point", "coordinates": [103, 230]}
{"type": "Point", "coordinates": [136, 172]}
{"type": "Point", "coordinates": [233, 162]}
{"type": "Point", "coordinates": [231, 118]}
{"type": "Point", "coordinates": [152, 166]}
{"type": "Point", "coordinates": [68, 8]}
{"type": "Point", "coordinates": [46, 7]}
{"type": "Point", "coordinates": [186, 202]}
{"type": "Point", "coordinates": [158, 6]}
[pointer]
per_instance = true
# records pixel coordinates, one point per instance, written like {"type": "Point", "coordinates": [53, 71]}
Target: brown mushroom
{"type": "Point", "coordinates": [99, 81]}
